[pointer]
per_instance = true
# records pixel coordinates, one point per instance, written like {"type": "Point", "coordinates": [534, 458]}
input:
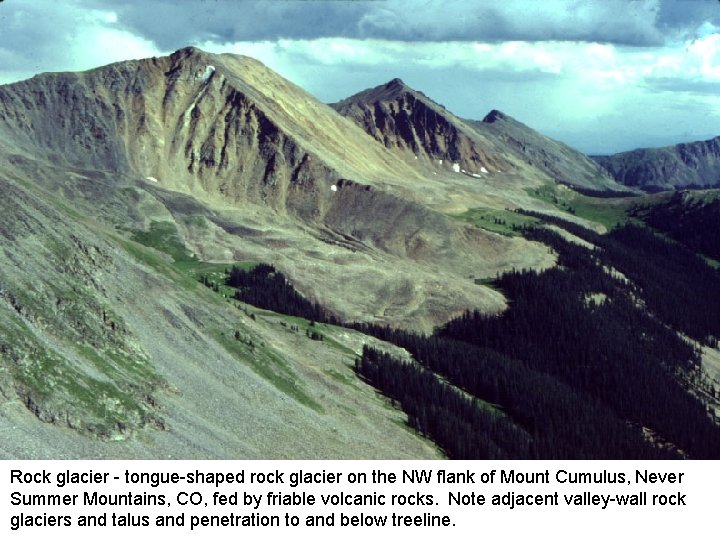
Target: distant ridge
{"type": "Point", "coordinates": [559, 161]}
{"type": "Point", "coordinates": [694, 164]}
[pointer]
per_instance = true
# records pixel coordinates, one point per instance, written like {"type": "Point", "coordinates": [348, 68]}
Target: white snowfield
{"type": "Point", "coordinates": [208, 73]}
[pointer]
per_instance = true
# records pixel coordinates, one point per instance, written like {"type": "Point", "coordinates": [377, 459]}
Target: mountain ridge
{"type": "Point", "coordinates": [401, 117]}
{"type": "Point", "coordinates": [693, 164]}
{"type": "Point", "coordinates": [558, 160]}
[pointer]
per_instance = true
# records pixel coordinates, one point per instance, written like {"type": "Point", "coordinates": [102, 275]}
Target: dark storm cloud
{"type": "Point", "coordinates": [657, 63]}
{"type": "Point", "coordinates": [167, 21]}
{"type": "Point", "coordinates": [685, 15]}
{"type": "Point", "coordinates": [626, 22]}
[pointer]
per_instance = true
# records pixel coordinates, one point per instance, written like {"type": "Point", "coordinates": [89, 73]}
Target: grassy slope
{"type": "Point", "coordinates": [609, 212]}
{"type": "Point", "coordinates": [175, 350]}
{"type": "Point", "coordinates": [499, 221]}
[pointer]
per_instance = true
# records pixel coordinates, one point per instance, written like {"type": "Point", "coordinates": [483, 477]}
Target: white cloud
{"type": "Point", "coordinates": [603, 63]}
{"type": "Point", "coordinates": [45, 36]}
{"type": "Point", "coordinates": [556, 86]}
{"type": "Point", "coordinates": [98, 42]}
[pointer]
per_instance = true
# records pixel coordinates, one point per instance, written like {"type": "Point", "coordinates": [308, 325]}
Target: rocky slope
{"type": "Point", "coordinates": [695, 164]}
{"type": "Point", "coordinates": [407, 120]}
{"type": "Point", "coordinates": [402, 118]}
{"type": "Point", "coordinates": [112, 349]}
{"type": "Point", "coordinates": [559, 161]}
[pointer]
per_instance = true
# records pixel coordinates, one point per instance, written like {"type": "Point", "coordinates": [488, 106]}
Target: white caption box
{"type": "Point", "coordinates": [385, 499]}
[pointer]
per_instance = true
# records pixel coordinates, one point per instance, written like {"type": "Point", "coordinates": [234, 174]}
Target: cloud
{"type": "Point", "coordinates": [574, 91]}
{"type": "Point", "coordinates": [46, 36]}
{"type": "Point", "coordinates": [192, 21]}
{"type": "Point", "coordinates": [625, 22]}
{"type": "Point", "coordinates": [516, 20]}
{"type": "Point", "coordinates": [605, 65]}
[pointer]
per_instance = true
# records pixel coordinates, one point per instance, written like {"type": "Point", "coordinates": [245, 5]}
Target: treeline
{"type": "Point", "coordinates": [264, 287]}
{"type": "Point", "coordinates": [675, 283]}
{"type": "Point", "coordinates": [461, 425]}
{"type": "Point", "coordinates": [694, 223]}
{"type": "Point", "coordinates": [574, 368]}
{"type": "Point", "coordinates": [560, 422]}
{"type": "Point", "coordinates": [604, 193]}
{"type": "Point", "coordinates": [577, 324]}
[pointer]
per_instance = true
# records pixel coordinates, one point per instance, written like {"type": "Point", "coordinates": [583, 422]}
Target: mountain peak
{"type": "Point", "coordinates": [401, 117]}
{"type": "Point", "coordinates": [391, 90]}
{"type": "Point", "coordinates": [494, 116]}
{"type": "Point", "coordinates": [188, 51]}
{"type": "Point", "coordinates": [396, 83]}
{"type": "Point", "coordinates": [557, 160]}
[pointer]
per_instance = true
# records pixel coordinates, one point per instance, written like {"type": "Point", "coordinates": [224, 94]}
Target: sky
{"type": "Point", "coordinates": [601, 75]}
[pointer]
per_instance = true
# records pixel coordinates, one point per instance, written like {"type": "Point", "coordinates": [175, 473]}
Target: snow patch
{"type": "Point", "coordinates": [456, 167]}
{"type": "Point", "coordinates": [440, 161]}
{"type": "Point", "coordinates": [151, 179]}
{"type": "Point", "coordinates": [483, 169]}
{"type": "Point", "coordinates": [333, 188]}
{"type": "Point", "coordinates": [477, 175]}
{"type": "Point", "coordinates": [208, 73]}
{"type": "Point", "coordinates": [416, 157]}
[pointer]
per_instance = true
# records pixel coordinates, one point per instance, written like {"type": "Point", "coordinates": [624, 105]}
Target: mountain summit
{"type": "Point", "coordinates": [494, 116]}
{"type": "Point", "coordinates": [405, 119]}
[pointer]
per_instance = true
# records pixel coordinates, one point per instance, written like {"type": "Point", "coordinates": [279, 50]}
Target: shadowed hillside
{"type": "Point", "coordinates": [687, 165]}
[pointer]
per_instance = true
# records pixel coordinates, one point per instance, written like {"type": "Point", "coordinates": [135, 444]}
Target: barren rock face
{"type": "Point", "coordinates": [405, 119]}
